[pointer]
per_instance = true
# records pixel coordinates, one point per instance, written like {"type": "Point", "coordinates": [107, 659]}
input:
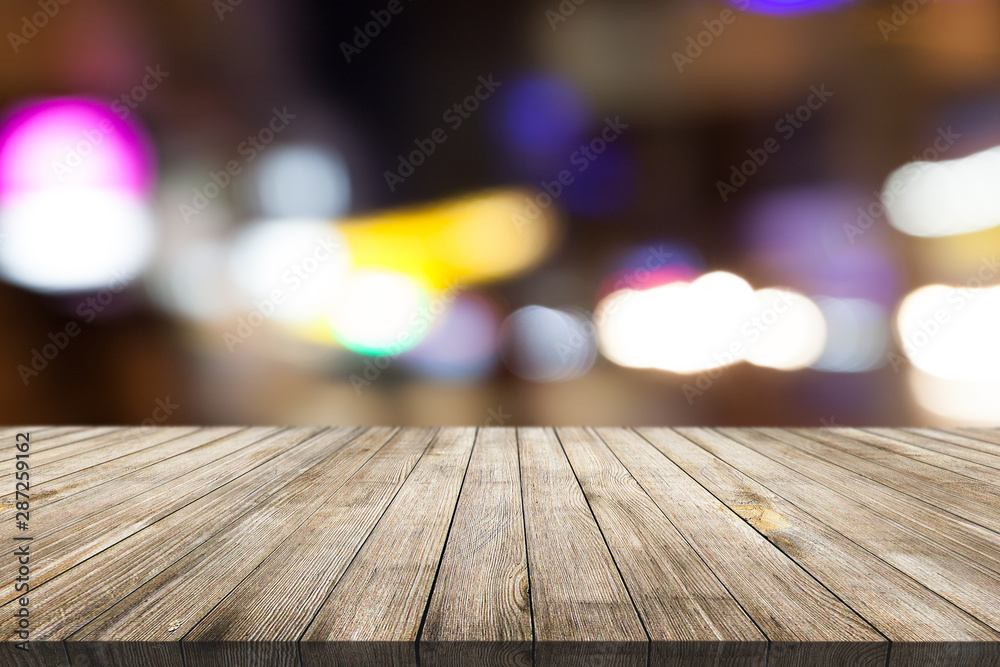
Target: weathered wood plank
{"type": "Point", "coordinates": [39, 434]}
{"type": "Point", "coordinates": [169, 605]}
{"type": "Point", "coordinates": [579, 602]}
{"type": "Point", "coordinates": [281, 596]}
{"type": "Point", "coordinates": [888, 443]}
{"type": "Point", "coordinates": [194, 547]}
{"type": "Point", "coordinates": [74, 597]}
{"type": "Point", "coordinates": [876, 520]}
{"type": "Point", "coordinates": [924, 627]}
{"type": "Point", "coordinates": [481, 590]}
{"type": "Point", "coordinates": [381, 598]}
{"type": "Point", "coordinates": [67, 485]}
{"type": "Point", "coordinates": [847, 474]}
{"type": "Point", "coordinates": [49, 480]}
{"type": "Point", "coordinates": [790, 607]}
{"type": "Point", "coordinates": [82, 439]}
{"type": "Point", "coordinates": [678, 597]}
{"type": "Point", "coordinates": [948, 442]}
{"type": "Point", "coordinates": [898, 466]}
{"type": "Point", "coordinates": [82, 527]}
{"type": "Point", "coordinates": [989, 438]}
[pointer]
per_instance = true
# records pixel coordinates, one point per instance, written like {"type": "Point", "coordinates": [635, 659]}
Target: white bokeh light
{"type": "Point", "coordinates": [380, 312]}
{"type": "Point", "coordinates": [965, 401]}
{"type": "Point", "coordinates": [858, 335]}
{"type": "Point", "coordinates": [713, 321]}
{"type": "Point", "coordinates": [74, 240]}
{"type": "Point", "coordinates": [547, 345]}
{"type": "Point", "coordinates": [791, 329]}
{"type": "Point", "coordinates": [952, 332]}
{"type": "Point", "coordinates": [303, 181]}
{"type": "Point", "coordinates": [946, 197]}
{"type": "Point", "coordinates": [304, 261]}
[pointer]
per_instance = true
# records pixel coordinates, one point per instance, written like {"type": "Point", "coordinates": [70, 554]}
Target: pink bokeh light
{"type": "Point", "coordinates": [72, 144]}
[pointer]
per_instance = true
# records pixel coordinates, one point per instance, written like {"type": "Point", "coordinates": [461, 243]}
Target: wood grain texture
{"type": "Point", "coordinates": [300, 547]}
{"type": "Point", "coordinates": [925, 630]}
{"type": "Point", "coordinates": [856, 510]}
{"type": "Point", "coordinates": [146, 546]}
{"type": "Point", "coordinates": [678, 597]}
{"type": "Point", "coordinates": [954, 444]}
{"type": "Point", "coordinates": [282, 595]}
{"type": "Point", "coordinates": [577, 594]}
{"type": "Point", "coordinates": [988, 438]}
{"type": "Point", "coordinates": [790, 606]}
{"type": "Point", "coordinates": [965, 539]}
{"type": "Point", "coordinates": [927, 451]}
{"type": "Point", "coordinates": [169, 605]}
{"type": "Point", "coordinates": [67, 445]}
{"type": "Point", "coordinates": [63, 478]}
{"type": "Point", "coordinates": [482, 584]}
{"type": "Point", "coordinates": [382, 596]}
{"type": "Point", "coordinates": [900, 467]}
{"type": "Point", "coordinates": [78, 530]}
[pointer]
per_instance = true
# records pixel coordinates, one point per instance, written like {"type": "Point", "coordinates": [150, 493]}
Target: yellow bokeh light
{"type": "Point", "coordinates": [469, 240]}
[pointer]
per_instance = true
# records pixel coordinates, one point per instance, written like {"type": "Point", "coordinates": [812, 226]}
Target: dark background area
{"type": "Point", "coordinates": [894, 89]}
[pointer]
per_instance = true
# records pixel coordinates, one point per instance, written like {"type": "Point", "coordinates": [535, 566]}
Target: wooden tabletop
{"type": "Point", "coordinates": [190, 546]}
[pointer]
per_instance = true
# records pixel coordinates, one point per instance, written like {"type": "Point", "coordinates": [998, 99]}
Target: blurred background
{"type": "Point", "coordinates": [534, 212]}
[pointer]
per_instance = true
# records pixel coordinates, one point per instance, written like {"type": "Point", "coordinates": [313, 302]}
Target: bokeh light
{"type": "Point", "coordinates": [959, 400]}
{"type": "Point", "coordinates": [787, 332]}
{"type": "Point", "coordinates": [542, 115]}
{"type": "Point", "coordinates": [858, 335]}
{"type": "Point", "coordinates": [714, 321]}
{"type": "Point", "coordinates": [75, 240]}
{"type": "Point", "coordinates": [651, 265]}
{"type": "Point", "coordinates": [946, 197]}
{"type": "Point", "coordinates": [291, 268]}
{"type": "Point", "coordinates": [547, 345]}
{"type": "Point", "coordinates": [380, 313]}
{"type": "Point", "coordinates": [303, 181]}
{"type": "Point", "coordinates": [462, 343]}
{"type": "Point", "coordinates": [73, 182]}
{"type": "Point", "coordinates": [72, 144]}
{"type": "Point", "coordinates": [821, 240]}
{"type": "Point", "coordinates": [195, 284]}
{"type": "Point", "coordinates": [467, 240]}
{"type": "Point", "coordinates": [951, 332]}
{"type": "Point", "coordinates": [788, 7]}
